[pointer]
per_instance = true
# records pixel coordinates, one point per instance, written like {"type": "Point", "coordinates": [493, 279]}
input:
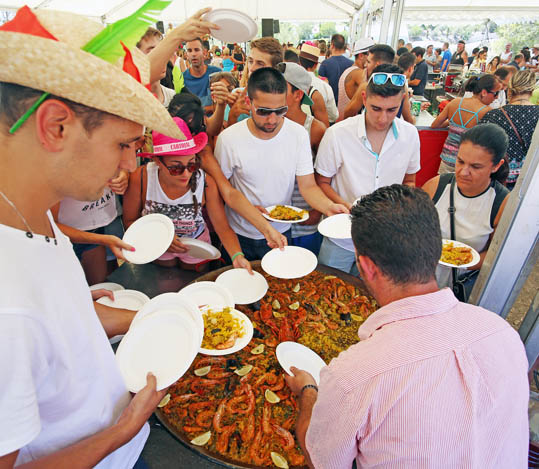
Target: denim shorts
{"type": "Point", "coordinates": [115, 228]}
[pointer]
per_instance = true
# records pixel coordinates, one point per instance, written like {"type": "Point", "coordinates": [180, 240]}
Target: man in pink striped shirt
{"type": "Point", "coordinates": [434, 383]}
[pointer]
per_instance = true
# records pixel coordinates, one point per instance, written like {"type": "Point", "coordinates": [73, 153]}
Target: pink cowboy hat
{"type": "Point", "coordinates": [168, 146]}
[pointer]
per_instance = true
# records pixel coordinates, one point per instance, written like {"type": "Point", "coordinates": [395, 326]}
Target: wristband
{"type": "Point", "coordinates": [236, 255]}
{"type": "Point", "coordinates": [307, 386]}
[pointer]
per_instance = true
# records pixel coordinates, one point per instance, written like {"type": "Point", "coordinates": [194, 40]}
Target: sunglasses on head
{"type": "Point", "coordinates": [179, 169]}
{"type": "Point", "coordinates": [266, 111]}
{"type": "Point", "coordinates": [380, 78]}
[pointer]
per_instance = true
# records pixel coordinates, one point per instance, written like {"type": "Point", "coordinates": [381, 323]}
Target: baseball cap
{"type": "Point", "coordinates": [362, 45]}
{"type": "Point", "coordinates": [297, 76]}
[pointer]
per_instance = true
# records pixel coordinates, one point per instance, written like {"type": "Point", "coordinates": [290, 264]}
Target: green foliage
{"type": "Point", "coordinates": [518, 34]}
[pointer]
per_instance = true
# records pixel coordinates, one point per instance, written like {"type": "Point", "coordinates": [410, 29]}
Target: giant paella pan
{"type": "Point", "coordinates": [237, 410]}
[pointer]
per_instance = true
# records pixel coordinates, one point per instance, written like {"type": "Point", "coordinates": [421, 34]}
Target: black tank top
{"type": "Point", "coordinates": [457, 59]}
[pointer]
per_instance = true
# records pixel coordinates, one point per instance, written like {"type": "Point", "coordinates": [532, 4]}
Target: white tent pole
{"type": "Point", "coordinates": [364, 18]}
{"type": "Point", "coordinates": [42, 4]}
{"type": "Point", "coordinates": [337, 7]}
{"type": "Point", "coordinates": [114, 10]}
{"type": "Point", "coordinates": [397, 23]}
{"type": "Point", "coordinates": [386, 19]}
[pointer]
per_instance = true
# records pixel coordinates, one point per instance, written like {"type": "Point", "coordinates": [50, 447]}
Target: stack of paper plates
{"type": "Point", "coordinates": [125, 299]}
{"type": "Point", "coordinates": [164, 343]}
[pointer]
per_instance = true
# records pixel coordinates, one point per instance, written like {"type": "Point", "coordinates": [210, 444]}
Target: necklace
{"type": "Point", "coordinates": [29, 232]}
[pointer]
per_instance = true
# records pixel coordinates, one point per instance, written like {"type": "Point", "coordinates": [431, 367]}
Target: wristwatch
{"type": "Point", "coordinates": [307, 386]}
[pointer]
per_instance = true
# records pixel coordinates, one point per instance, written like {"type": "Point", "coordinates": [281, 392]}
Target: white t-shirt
{"type": "Point", "coordinates": [60, 381]}
{"type": "Point", "coordinates": [168, 95]}
{"type": "Point", "coordinates": [89, 215]}
{"type": "Point", "coordinates": [345, 155]}
{"type": "Point", "coordinates": [327, 93]}
{"type": "Point", "coordinates": [263, 170]}
{"type": "Point", "coordinates": [472, 223]}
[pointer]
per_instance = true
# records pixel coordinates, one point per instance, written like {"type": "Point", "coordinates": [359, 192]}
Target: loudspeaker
{"type": "Point", "coordinates": [160, 27]}
{"type": "Point", "coordinates": [276, 27]}
{"type": "Point", "coordinates": [267, 27]}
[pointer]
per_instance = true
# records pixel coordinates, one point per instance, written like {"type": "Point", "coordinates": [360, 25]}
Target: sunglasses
{"type": "Point", "coordinates": [380, 78]}
{"type": "Point", "coordinates": [266, 111]}
{"type": "Point", "coordinates": [179, 169]}
{"type": "Point", "coordinates": [494, 93]}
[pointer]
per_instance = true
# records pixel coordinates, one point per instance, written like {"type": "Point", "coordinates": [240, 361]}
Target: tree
{"type": "Point", "coordinates": [518, 34]}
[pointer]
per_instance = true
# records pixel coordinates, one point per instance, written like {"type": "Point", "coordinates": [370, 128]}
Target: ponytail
{"type": "Point", "coordinates": [478, 84]}
{"type": "Point", "coordinates": [193, 181]}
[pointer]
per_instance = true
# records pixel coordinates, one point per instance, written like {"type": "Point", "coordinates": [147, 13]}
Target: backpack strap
{"type": "Point", "coordinates": [501, 193]}
{"type": "Point", "coordinates": [444, 180]}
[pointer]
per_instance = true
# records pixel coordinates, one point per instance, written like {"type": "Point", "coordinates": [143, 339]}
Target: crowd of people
{"type": "Point", "coordinates": [229, 133]}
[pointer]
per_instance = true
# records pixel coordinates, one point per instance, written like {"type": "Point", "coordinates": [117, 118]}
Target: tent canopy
{"type": "Point", "coordinates": [424, 11]}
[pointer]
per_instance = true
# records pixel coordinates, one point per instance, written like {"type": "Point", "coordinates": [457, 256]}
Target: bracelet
{"type": "Point", "coordinates": [236, 255]}
{"type": "Point", "coordinates": [307, 386]}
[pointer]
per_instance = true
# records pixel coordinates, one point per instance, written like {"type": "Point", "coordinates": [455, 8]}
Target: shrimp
{"type": "Point", "coordinates": [287, 437]}
{"type": "Point", "coordinates": [218, 416]}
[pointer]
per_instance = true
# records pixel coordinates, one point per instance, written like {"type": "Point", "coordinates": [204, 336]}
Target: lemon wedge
{"type": "Point", "coordinates": [201, 440]}
{"type": "Point", "coordinates": [294, 306]}
{"type": "Point", "coordinates": [355, 317]}
{"type": "Point", "coordinates": [271, 397]}
{"type": "Point", "coordinates": [275, 304]}
{"type": "Point", "coordinates": [164, 401]}
{"type": "Point", "coordinates": [258, 349]}
{"type": "Point", "coordinates": [203, 371]}
{"type": "Point", "coordinates": [296, 288]}
{"type": "Point", "coordinates": [278, 460]}
{"type": "Point", "coordinates": [243, 370]}
{"type": "Point", "coordinates": [278, 315]}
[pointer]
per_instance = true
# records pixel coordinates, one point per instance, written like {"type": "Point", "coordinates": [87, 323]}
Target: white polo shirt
{"type": "Point", "coordinates": [346, 155]}
{"type": "Point", "coordinates": [263, 170]}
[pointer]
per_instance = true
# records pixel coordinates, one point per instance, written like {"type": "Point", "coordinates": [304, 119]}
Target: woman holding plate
{"type": "Point", "coordinates": [174, 185]}
{"type": "Point", "coordinates": [478, 194]}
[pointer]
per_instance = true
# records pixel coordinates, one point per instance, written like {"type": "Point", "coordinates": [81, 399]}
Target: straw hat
{"type": "Point", "coordinates": [309, 52]}
{"type": "Point", "coordinates": [61, 68]}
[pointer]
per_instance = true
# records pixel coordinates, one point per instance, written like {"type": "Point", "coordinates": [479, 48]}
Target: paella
{"type": "Point", "coordinates": [237, 408]}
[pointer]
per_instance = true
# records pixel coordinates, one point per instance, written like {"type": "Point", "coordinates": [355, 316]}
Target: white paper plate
{"type": "Point", "coordinates": [303, 358]}
{"type": "Point", "coordinates": [302, 219]}
{"type": "Point", "coordinates": [235, 26]}
{"type": "Point", "coordinates": [126, 299]}
{"type": "Point", "coordinates": [151, 236]}
{"type": "Point", "coordinates": [292, 262]}
{"type": "Point", "coordinates": [475, 255]}
{"type": "Point", "coordinates": [241, 342]}
{"type": "Point", "coordinates": [165, 344]}
{"type": "Point", "coordinates": [205, 294]}
{"type": "Point", "coordinates": [200, 249]}
{"type": "Point", "coordinates": [337, 226]}
{"type": "Point", "coordinates": [175, 302]}
{"type": "Point", "coordinates": [245, 288]}
{"type": "Point", "coordinates": [107, 286]}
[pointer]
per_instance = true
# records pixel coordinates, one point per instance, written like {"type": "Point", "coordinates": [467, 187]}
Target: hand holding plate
{"type": "Point", "coordinates": [299, 379]}
{"type": "Point", "coordinates": [335, 209]}
{"type": "Point", "coordinates": [141, 406]}
{"type": "Point", "coordinates": [177, 246]}
{"type": "Point", "coordinates": [241, 263]}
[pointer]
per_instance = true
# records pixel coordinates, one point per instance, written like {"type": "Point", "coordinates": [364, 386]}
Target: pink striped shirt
{"type": "Point", "coordinates": [434, 383]}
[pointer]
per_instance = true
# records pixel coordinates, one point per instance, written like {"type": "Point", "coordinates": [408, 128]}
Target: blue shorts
{"type": "Point", "coordinates": [115, 228]}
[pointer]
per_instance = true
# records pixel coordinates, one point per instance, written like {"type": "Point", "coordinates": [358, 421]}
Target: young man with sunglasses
{"type": "Point", "coordinates": [264, 155]}
{"type": "Point", "coordinates": [365, 152]}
